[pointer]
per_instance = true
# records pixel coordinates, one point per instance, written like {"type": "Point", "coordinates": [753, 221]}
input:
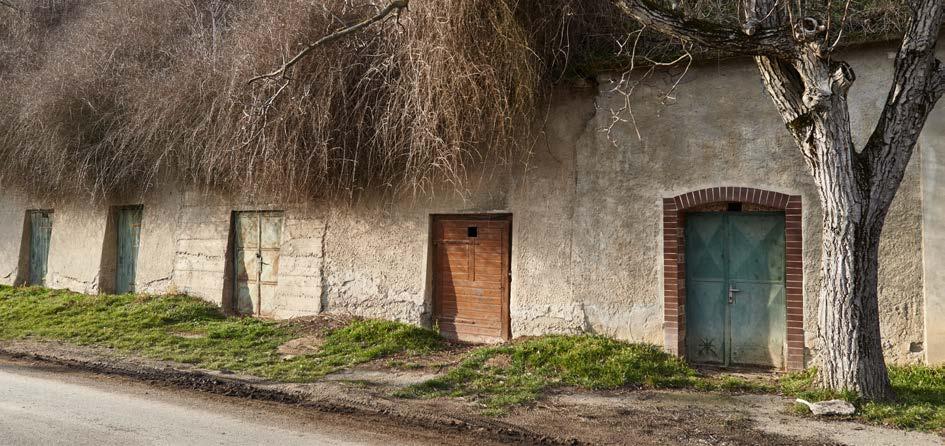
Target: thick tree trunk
{"type": "Point", "coordinates": [852, 358]}
{"type": "Point", "coordinates": [849, 306]}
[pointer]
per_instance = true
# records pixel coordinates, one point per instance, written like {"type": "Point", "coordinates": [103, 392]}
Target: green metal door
{"type": "Point", "coordinates": [40, 233]}
{"type": "Point", "coordinates": [735, 301]}
{"type": "Point", "coordinates": [706, 279]}
{"type": "Point", "coordinates": [129, 236]}
{"type": "Point", "coordinates": [258, 242]}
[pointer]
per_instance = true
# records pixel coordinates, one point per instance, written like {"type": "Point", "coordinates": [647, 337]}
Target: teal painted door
{"type": "Point", "coordinates": [129, 236]}
{"type": "Point", "coordinates": [735, 301]}
{"type": "Point", "coordinates": [258, 242]}
{"type": "Point", "coordinates": [40, 233]}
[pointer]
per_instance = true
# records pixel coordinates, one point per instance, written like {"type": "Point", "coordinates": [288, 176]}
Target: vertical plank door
{"type": "Point", "coordinates": [40, 233]}
{"type": "Point", "coordinates": [471, 273]}
{"type": "Point", "coordinates": [129, 237]}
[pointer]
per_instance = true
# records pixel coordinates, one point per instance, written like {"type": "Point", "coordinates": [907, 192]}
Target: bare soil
{"type": "Point", "coordinates": [563, 416]}
{"type": "Point", "coordinates": [319, 325]}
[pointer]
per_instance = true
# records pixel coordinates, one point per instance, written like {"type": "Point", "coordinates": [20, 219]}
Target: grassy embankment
{"type": "Point", "coordinates": [188, 330]}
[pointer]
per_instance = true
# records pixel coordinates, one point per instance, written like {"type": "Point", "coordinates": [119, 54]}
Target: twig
{"type": "Point", "coordinates": [843, 21]}
{"type": "Point", "coordinates": [395, 6]}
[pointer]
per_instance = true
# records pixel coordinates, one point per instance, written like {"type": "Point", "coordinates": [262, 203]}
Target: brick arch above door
{"type": "Point", "coordinates": [674, 265]}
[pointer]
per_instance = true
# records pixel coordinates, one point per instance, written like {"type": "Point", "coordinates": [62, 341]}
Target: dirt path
{"type": "Point", "coordinates": [565, 416]}
{"type": "Point", "coordinates": [692, 417]}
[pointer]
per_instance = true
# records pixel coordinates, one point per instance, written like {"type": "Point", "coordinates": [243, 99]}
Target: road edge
{"type": "Point", "coordinates": [199, 381]}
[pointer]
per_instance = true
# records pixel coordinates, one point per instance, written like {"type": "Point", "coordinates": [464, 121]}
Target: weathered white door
{"type": "Point", "coordinates": [256, 261]}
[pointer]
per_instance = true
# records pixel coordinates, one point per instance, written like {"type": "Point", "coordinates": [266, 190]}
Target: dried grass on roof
{"type": "Point", "coordinates": [109, 96]}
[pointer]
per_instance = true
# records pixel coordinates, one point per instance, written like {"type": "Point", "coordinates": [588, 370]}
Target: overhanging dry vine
{"type": "Point", "coordinates": [116, 95]}
{"type": "Point", "coordinates": [394, 7]}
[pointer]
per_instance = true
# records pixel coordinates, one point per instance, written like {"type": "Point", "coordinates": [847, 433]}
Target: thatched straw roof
{"type": "Point", "coordinates": [108, 95]}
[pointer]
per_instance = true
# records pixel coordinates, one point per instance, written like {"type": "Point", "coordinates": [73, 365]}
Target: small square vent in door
{"type": "Point", "coordinates": [472, 231]}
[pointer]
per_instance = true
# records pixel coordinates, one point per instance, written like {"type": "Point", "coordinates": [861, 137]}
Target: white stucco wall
{"type": "Point", "coordinates": [12, 217]}
{"type": "Point", "coordinates": [586, 218]}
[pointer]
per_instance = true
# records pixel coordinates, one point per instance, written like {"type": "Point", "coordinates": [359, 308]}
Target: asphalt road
{"type": "Point", "coordinates": [52, 406]}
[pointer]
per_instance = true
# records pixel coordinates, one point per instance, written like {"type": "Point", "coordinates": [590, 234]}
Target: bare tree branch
{"type": "Point", "coordinates": [917, 85]}
{"type": "Point", "coordinates": [395, 6]}
{"type": "Point", "coordinates": [753, 40]}
{"type": "Point", "coordinates": [915, 73]}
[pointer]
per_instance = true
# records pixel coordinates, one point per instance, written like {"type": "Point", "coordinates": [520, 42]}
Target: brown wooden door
{"type": "Point", "coordinates": [471, 277]}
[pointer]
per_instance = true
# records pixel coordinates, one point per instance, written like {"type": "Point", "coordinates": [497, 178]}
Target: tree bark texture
{"type": "Point", "coordinates": [856, 187]}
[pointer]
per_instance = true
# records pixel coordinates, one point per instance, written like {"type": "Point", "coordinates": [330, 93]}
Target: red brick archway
{"type": "Point", "coordinates": [674, 264]}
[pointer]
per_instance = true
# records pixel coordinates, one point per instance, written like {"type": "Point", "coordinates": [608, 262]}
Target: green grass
{"type": "Point", "coordinates": [152, 327]}
{"type": "Point", "coordinates": [189, 330]}
{"type": "Point", "coordinates": [920, 392]}
{"type": "Point", "coordinates": [518, 373]}
{"type": "Point", "coordinates": [500, 377]}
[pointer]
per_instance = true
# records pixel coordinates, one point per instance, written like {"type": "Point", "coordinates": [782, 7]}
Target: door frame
{"type": "Point", "coordinates": [674, 262]}
{"type": "Point", "coordinates": [506, 319]}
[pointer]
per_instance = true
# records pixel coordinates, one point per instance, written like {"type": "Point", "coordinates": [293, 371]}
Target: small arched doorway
{"type": "Point", "coordinates": [733, 276]}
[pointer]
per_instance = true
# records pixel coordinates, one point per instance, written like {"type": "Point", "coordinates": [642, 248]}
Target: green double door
{"type": "Point", "coordinates": [735, 299]}
{"type": "Point", "coordinates": [129, 239]}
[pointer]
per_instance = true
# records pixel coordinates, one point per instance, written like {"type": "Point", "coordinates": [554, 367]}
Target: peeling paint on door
{"type": "Point", "coordinates": [258, 241]}
{"type": "Point", "coordinates": [471, 277]}
{"type": "Point", "coordinates": [129, 236]}
{"type": "Point", "coordinates": [40, 234]}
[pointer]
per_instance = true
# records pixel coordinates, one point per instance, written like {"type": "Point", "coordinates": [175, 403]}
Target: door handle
{"type": "Point", "coordinates": [731, 293]}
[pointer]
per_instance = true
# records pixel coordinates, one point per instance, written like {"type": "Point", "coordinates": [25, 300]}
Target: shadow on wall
{"type": "Point", "coordinates": [23, 264]}
{"type": "Point", "coordinates": [108, 264]}
{"type": "Point", "coordinates": [228, 303]}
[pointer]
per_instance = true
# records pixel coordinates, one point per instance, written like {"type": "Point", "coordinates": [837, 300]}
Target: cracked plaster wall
{"type": "Point", "coordinates": [721, 130]}
{"type": "Point", "coordinates": [587, 213]}
{"type": "Point", "coordinates": [202, 236]}
{"type": "Point", "coordinates": [183, 247]}
{"type": "Point", "coordinates": [587, 216]}
{"type": "Point", "coordinates": [12, 216]}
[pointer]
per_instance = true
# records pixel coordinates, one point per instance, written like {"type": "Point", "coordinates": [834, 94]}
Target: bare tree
{"type": "Point", "coordinates": [809, 86]}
